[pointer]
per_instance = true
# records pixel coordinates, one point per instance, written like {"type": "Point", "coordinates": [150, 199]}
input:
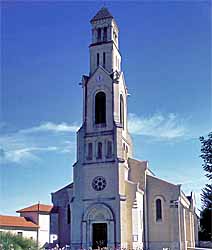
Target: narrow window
{"type": "Point", "coordinates": [99, 150]}
{"type": "Point", "coordinates": [90, 151]}
{"type": "Point", "coordinates": [98, 35]}
{"type": "Point", "coordinates": [20, 234]}
{"type": "Point", "coordinates": [97, 59]}
{"type": "Point", "coordinates": [115, 36]}
{"type": "Point", "coordinates": [158, 210]}
{"type": "Point", "coordinates": [104, 59]}
{"type": "Point", "coordinates": [100, 108]}
{"type": "Point", "coordinates": [126, 150]}
{"type": "Point", "coordinates": [141, 219]}
{"type": "Point", "coordinates": [109, 149]}
{"type": "Point", "coordinates": [68, 214]}
{"type": "Point", "coordinates": [122, 111]}
{"type": "Point", "coordinates": [105, 34]}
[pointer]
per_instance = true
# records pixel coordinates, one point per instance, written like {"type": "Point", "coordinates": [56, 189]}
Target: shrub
{"type": "Point", "coordinates": [10, 241]}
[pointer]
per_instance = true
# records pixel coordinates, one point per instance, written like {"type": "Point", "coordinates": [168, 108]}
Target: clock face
{"type": "Point", "coordinates": [99, 183]}
{"type": "Point", "coordinates": [99, 78]}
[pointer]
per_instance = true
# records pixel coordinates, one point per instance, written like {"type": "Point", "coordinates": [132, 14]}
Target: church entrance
{"type": "Point", "coordinates": [99, 235]}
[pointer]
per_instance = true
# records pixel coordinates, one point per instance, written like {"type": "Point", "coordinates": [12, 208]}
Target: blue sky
{"type": "Point", "coordinates": [166, 58]}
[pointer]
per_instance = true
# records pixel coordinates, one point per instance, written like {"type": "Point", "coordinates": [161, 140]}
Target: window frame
{"type": "Point", "coordinates": [20, 234]}
{"type": "Point", "coordinates": [89, 151]}
{"type": "Point", "coordinates": [68, 214]}
{"type": "Point", "coordinates": [99, 34]}
{"type": "Point", "coordinates": [121, 111]}
{"type": "Point", "coordinates": [105, 34]}
{"type": "Point", "coordinates": [109, 153]}
{"type": "Point", "coordinates": [97, 60]}
{"type": "Point", "coordinates": [100, 109]}
{"type": "Point", "coordinates": [159, 219]}
{"type": "Point", "coordinates": [99, 150]}
{"type": "Point", "coordinates": [104, 59]}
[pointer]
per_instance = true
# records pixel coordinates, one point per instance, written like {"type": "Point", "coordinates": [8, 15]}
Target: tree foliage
{"type": "Point", "coordinates": [206, 155]}
{"type": "Point", "coordinates": [206, 213]}
{"type": "Point", "coordinates": [10, 241]}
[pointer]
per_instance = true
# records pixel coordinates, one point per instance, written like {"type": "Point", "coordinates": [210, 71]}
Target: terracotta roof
{"type": "Point", "coordinates": [36, 208]}
{"type": "Point", "coordinates": [102, 14]}
{"type": "Point", "coordinates": [15, 221]}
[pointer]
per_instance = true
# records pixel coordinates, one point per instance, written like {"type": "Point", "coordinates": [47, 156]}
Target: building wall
{"type": "Point", "coordinates": [30, 234]}
{"type": "Point", "coordinates": [33, 216]}
{"type": "Point", "coordinates": [43, 233]}
{"type": "Point", "coordinates": [43, 220]}
{"type": "Point", "coordinates": [164, 233]}
{"type": "Point", "coordinates": [58, 221]}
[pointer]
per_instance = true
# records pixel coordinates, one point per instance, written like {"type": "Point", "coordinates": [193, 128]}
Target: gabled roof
{"type": "Point", "coordinates": [102, 14]}
{"type": "Point", "coordinates": [36, 208]}
{"type": "Point", "coordinates": [15, 221]}
{"type": "Point", "coordinates": [70, 185]}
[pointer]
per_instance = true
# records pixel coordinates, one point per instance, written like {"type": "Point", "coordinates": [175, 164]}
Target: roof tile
{"type": "Point", "coordinates": [15, 221]}
{"type": "Point", "coordinates": [36, 208]}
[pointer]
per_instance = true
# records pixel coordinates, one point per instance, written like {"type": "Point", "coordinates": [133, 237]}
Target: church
{"type": "Point", "coordinates": [116, 201]}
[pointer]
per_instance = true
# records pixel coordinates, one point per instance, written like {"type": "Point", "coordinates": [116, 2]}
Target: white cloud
{"type": "Point", "coordinates": [27, 144]}
{"type": "Point", "coordinates": [23, 154]}
{"type": "Point", "coordinates": [158, 126]}
{"type": "Point", "coordinates": [51, 127]}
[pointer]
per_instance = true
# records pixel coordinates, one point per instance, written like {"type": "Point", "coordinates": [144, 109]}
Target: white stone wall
{"type": "Point", "coordinates": [44, 226]}
{"type": "Point", "coordinates": [43, 219]}
{"type": "Point", "coordinates": [163, 233]}
{"type": "Point", "coordinates": [30, 234]}
{"type": "Point", "coordinates": [137, 222]}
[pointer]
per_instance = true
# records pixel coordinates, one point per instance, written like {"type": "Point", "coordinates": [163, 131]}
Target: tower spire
{"type": "Point", "coordinates": [103, 13]}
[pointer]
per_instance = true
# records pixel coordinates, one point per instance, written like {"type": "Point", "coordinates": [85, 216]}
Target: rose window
{"type": "Point", "coordinates": [99, 183]}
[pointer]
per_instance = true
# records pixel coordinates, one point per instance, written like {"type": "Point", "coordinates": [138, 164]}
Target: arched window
{"type": "Point", "coordinates": [105, 34]}
{"type": "Point", "coordinates": [98, 34]}
{"type": "Point", "coordinates": [122, 111]}
{"type": "Point", "coordinates": [68, 214]}
{"type": "Point", "coordinates": [99, 150]}
{"type": "Point", "coordinates": [104, 59]}
{"type": "Point", "coordinates": [100, 108]}
{"type": "Point", "coordinates": [109, 149]}
{"type": "Point", "coordinates": [90, 151]}
{"type": "Point", "coordinates": [126, 151]}
{"type": "Point", "coordinates": [97, 59]}
{"type": "Point", "coordinates": [158, 205]}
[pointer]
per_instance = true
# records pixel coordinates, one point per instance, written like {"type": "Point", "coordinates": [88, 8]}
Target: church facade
{"type": "Point", "coordinates": [115, 200]}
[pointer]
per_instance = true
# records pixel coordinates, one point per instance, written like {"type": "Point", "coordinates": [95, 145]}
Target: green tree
{"type": "Point", "coordinates": [10, 241]}
{"type": "Point", "coordinates": [206, 196]}
{"type": "Point", "coordinates": [206, 155]}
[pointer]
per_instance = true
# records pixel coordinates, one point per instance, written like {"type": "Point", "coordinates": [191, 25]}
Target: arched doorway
{"type": "Point", "coordinates": [98, 227]}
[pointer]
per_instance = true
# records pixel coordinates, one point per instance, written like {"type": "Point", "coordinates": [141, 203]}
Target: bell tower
{"type": "Point", "coordinates": [104, 47]}
{"type": "Point", "coordinates": [104, 96]}
{"type": "Point", "coordinates": [103, 142]}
